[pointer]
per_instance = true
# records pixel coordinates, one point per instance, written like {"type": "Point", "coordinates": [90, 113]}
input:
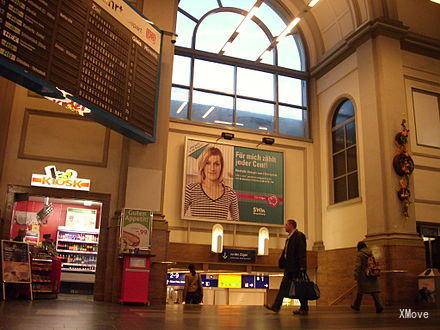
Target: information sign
{"type": "Point", "coordinates": [98, 58]}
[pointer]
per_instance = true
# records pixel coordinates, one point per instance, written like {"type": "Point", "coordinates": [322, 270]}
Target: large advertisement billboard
{"type": "Point", "coordinates": [226, 183]}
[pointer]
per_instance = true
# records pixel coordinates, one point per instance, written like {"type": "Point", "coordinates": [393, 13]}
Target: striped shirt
{"type": "Point", "coordinates": [200, 205]}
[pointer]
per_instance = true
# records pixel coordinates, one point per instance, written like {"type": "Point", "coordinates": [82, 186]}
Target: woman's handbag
{"type": "Point", "coordinates": [199, 291]}
{"type": "Point", "coordinates": [304, 289]}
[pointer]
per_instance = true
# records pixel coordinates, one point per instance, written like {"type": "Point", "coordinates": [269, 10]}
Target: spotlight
{"type": "Point", "coordinates": [268, 140]}
{"type": "Point", "coordinates": [227, 136]}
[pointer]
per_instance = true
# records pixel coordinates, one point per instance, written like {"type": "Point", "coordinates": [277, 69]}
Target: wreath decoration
{"type": "Point", "coordinates": [403, 165]}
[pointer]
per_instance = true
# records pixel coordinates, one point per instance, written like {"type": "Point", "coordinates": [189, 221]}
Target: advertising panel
{"type": "Point", "coordinates": [136, 227]}
{"type": "Point", "coordinates": [230, 183]}
{"type": "Point", "coordinates": [81, 218]}
{"type": "Point", "coordinates": [15, 262]}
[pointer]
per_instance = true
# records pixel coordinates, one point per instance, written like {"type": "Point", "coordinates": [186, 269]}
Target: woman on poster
{"type": "Point", "coordinates": [211, 198]}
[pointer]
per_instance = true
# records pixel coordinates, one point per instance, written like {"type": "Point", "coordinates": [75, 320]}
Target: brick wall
{"type": "Point", "coordinates": [400, 266]}
{"type": "Point", "coordinates": [335, 274]}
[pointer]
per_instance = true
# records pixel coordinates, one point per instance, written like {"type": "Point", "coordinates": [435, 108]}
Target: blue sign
{"type": "Point", "coordinates": [262, 282]}
{"type": "Point", "coordinates": [236, 255]}
{"type": "Point", "coordinates": [176, 279]}
{"type": "Point", "coordinates": [248, 281]}
{"type": "Point", "coordinates": [209, 281]}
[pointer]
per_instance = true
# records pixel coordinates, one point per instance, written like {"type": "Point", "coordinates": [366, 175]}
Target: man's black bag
{"type": "Point", "coordinates": [304, 289]}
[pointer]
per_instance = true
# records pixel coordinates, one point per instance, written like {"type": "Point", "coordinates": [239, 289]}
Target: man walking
{"type": "Point", "coordinates": [293, 260]}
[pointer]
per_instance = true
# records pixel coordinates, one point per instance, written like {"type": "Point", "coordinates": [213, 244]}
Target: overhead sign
{"type": "Point", "coordinates": [59, 179]}
{"type": "Point", "coordinates": [98, 58]}
{"type": "Point", "coordinates": [236, 255]}
{"type": "Point", "coordinates": [136, 227]}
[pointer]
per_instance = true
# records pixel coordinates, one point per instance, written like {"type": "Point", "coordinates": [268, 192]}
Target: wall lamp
{"type": "Point", "coordinates": [268, 140]}
{"type": "Point", "coordinates": [227, 136]}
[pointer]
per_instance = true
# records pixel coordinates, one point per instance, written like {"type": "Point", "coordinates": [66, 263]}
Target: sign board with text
{"type": "Point", "coordinates": [136, 229]}
{"type": "Point", "coordinates": [15, 262]}
{"type": "Point", "coordinates": [52, 178]}
{"type": "Point", "coordinates": [237, 255]}
{"type": "Point", "coordinates": [227, 183]}
{"type": "Point", "coordinates": [98, 58]}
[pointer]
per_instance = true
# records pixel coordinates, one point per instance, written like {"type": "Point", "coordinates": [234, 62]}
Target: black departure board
{"type": "Point", "coordinates": [98, 58]}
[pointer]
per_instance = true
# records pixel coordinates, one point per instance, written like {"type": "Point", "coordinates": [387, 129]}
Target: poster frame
{"type": "Point", "coordinates": [121, 226]}
{"type": "Point", "coordinates": [240, 222]}
{"type": "Point", "coordinates": [3, 268]}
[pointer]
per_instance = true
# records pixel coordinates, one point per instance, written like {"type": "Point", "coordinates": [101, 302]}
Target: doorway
{"type": "Point", "coordinates": [63, 227]}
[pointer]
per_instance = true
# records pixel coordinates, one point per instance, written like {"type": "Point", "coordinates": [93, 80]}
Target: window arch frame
{"type": "Point", "coordinates": [302, 75]}
{"type": "Point", "coordinates": [332, 128]}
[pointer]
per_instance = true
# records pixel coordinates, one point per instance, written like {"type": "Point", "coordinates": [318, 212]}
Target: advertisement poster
{"type": "Point", "coordinates": [84, 219]}
{"type": "Point", "coordinates": [231, 183]}
{"type": "Point", "coordinates": [136, 226]}
{"type": "Point", "coordinates": [15, 262]}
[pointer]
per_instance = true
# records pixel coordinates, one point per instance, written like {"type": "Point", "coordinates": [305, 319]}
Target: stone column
{"type": "Point", "coordinates": [391, 236]}
{"type": "Point", "coordinates": [143, 166]}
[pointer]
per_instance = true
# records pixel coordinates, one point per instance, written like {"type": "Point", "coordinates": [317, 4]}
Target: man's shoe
{"type": "Point", "coordinates": [300, 312]}
{"type": "Point", "coordinates": [379, 310]}
{"type": "Point", "coordinates": [353, 307]}
{"type": "Point", "coordinates": [271, 308]}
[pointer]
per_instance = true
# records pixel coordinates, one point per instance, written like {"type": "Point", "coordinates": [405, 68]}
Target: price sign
{"type": "Point", "coordinates": [136, 227]}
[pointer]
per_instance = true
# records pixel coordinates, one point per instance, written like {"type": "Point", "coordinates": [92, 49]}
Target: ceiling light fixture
{"type": "Point", "coordinates": [222, 122]}
{"type": "Point", "coordinates": [208, 112]}
{"type": "Point", "coordinates": [288, 28]}
{"type": "Point", "coordinates": [312, 3]}
{"type": "Point", "coordinates": [246, 20]}
{"type": "Point", "coordinates": [181, 107]}
{"type": "Point", "coordinates": [251, 13]}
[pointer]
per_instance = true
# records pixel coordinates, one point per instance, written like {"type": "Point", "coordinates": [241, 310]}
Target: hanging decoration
{"type": "Point", "coordinates": [403, 166]}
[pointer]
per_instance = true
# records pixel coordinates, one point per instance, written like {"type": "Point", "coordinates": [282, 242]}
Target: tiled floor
{"type": "Point", "coordinates": [85, 314]}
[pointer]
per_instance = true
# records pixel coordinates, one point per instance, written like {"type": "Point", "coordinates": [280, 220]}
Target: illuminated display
{"type": "Point", "coordinates": [229, 281]}
{"type": "Point", "coordinates": [209, 281]}
{"type": "Point", "coordinates": [248, 281]}
{"type": "Point", "coordinates": [262, 282]}
{"type": "Point", "coordinates": [176, 279]}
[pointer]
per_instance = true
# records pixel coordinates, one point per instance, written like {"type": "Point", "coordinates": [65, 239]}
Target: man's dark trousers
{"type": "Point", "coordinates": [284, 292]}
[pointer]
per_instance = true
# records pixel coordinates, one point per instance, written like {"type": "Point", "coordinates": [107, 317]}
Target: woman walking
{"type": "Point", "coordinates": [367, 283]}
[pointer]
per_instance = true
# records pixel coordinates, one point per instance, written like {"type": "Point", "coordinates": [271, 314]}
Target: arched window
{"type": "Point", "coordinates": [238, 64]}
{"type": "Point", "coordinates": [344, 153]}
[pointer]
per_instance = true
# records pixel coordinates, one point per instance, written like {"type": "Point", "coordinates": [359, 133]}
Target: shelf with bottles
{"type": "Point", "coordinates": [76, 267]}
{"type": "Point", "coordinates": [71, 261]}
{"type": "Point", "coordinates": [77, 235]}
{"type": "Point", "coordinates": [77, 247]}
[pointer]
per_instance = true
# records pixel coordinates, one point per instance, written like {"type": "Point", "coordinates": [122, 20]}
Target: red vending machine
{"type": "Point", "coordinates": [135, 278]}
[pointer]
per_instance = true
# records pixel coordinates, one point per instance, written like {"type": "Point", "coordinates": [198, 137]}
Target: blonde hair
{"type": "Point", "coordinates": [212, 151]}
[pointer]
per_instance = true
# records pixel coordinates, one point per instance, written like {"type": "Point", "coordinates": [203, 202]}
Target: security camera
{"type": "Point", "coordinates": [173, 38]}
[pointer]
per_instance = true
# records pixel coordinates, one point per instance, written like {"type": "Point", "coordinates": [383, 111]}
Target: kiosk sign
{"type": "Point", "coordinates": [59, 179]}
{"type": "Point", "coordinates": [136, 227]}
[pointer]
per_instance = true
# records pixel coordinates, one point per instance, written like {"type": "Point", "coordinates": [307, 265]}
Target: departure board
{"type": "Point", "coordinates": [98, 58]}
